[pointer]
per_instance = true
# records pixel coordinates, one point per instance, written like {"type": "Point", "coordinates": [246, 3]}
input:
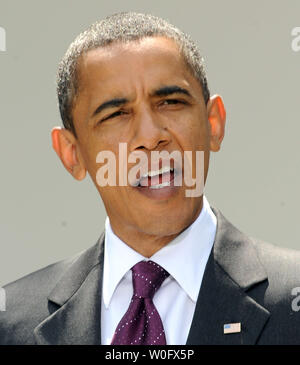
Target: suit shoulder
{"type": "Point", "coordinates": [42, 278]}
{"type": "Point", "coordinates": [27, 304]}
{"type": "Point", "coordinates": [277, 258]}
{"type": "Point", "coordinates": [282, 266]}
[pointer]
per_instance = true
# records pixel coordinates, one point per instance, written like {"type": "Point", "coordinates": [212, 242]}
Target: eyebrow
{"type": "Point", "coordinates": [169, 90]}
{"type": "Point", "coordinates": [113, 103]}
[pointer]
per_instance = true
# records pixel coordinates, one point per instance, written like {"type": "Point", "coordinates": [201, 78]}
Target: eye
{"type": "Point", "coordinates": [171, 102]}
{"type": "Point", "coordinates": [113, 115]}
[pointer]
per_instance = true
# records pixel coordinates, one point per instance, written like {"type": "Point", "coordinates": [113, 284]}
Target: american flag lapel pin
{"type": "Point", "coordinates": [232, 328]}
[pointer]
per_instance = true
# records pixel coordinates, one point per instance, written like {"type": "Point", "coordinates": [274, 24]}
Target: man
{"type": "Point", "coordinates": [169, 269]}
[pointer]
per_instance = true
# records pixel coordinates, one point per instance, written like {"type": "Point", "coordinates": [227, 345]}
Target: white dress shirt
{"type": "Point", "coordinates": [184, 258]}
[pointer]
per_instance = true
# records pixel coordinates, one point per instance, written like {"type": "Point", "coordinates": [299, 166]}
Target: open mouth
{"type": "Point", "coordinates": [157, 179]}
{"type": "Point", "coordinates": [159, 185]}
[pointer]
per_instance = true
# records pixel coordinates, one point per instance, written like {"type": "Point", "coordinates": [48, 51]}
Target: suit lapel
{"type": "Point", "coordinates": [232, 270]}
{"type": "Point", "coordinates": [78, 296]}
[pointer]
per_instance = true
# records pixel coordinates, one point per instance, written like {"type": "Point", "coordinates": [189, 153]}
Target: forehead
{"type": "Point", "coordinates": [149, 61]}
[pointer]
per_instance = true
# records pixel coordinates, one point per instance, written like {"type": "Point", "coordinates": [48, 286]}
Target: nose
{"type": "Point", "coordinates": [150, 132]}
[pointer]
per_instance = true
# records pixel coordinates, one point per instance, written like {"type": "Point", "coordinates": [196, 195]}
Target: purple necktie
{"type": "Point", "coordinates": [141, 324]}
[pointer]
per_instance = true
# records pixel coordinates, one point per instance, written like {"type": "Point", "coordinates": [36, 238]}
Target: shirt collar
{"type": "Point", "coordinates": [191, 246]}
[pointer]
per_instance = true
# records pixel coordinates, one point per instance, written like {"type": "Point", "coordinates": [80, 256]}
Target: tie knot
{"type": "Point", "coordinates": [147, 277]}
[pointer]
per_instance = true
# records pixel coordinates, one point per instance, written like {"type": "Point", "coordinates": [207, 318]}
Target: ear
{"type": "Point", "coordinates": [217, 119]}
{"type": "Point", "coordinates": [66, 146]}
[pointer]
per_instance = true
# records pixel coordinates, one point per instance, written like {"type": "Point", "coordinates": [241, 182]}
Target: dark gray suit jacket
{"type": "Point", "coordinates": [245, 280]}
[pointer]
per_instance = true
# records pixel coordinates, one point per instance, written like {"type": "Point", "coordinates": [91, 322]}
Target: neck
{"type": "Point", "coordinates": [147, 244]}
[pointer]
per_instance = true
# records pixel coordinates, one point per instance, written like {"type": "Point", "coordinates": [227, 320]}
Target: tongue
{"type": "Point", "coordinates": [157, 179]}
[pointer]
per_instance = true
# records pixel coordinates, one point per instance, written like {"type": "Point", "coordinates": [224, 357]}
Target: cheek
{"type": "Point", "coordinates": [202, 138]}
{"type": "Point", "coordinates": [192, 133]}
{"type": "Point", "coordinates": [91, 164]}
{"type": "Point", "coordinates": [200, 132]}
{"type": "Point", "coordinates": [89, 149]}
{"type": "Point", "coordinates": [92, 148]}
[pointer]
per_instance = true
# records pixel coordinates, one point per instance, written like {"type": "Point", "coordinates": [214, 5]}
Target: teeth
{"type": "Point", "coordinates": [157, 172]}
{"type": "Point", "coordinates": [162, 185]}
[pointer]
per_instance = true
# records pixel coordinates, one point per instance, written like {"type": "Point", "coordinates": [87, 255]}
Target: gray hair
{"type": "Point", "coordinates": [121, 27]}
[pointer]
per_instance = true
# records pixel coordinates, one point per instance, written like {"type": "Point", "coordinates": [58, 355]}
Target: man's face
{"type": "Point", "coordinates": [147, 118]}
